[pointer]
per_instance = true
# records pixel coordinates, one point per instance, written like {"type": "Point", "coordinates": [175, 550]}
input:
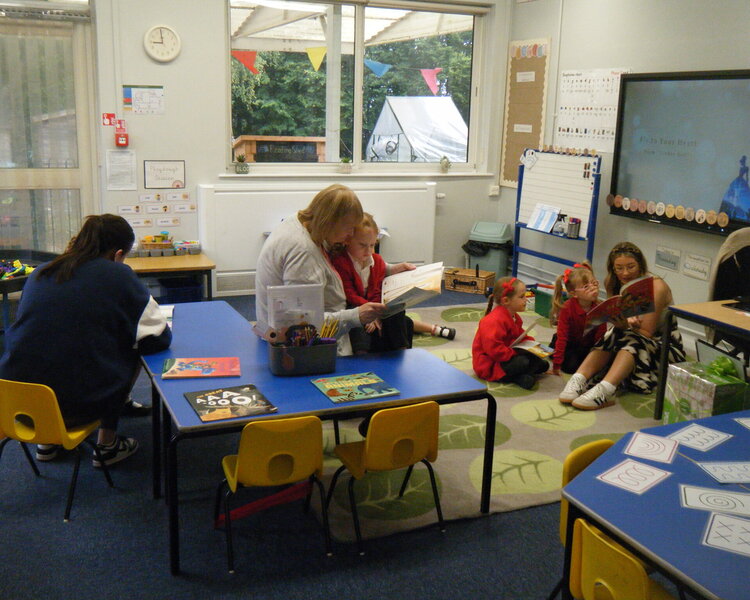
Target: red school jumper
{"type": "Point", "coordinates": [356, 294]}
{"type": "Point", "coordinates": [571, 323]}
{"type": "Point", "coordinates": [496, 332]}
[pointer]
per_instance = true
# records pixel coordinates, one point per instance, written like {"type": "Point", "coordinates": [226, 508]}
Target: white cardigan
{"type": "Point", "coordinates": [290, 257]}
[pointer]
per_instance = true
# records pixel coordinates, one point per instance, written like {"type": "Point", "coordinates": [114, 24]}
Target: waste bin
{"type": "Point", "coordinates": [489, 246]}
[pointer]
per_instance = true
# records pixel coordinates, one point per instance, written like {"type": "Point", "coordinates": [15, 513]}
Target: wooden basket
{"type": "Point", "coordinates": [156, 245]}
{"type": "Point", "coordinates": [467, 280]}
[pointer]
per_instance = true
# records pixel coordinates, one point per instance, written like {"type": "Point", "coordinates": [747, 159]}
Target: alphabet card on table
{"type": "Point", "coordinates": [633, 476]}
{"type": "Point", "coordinates": [714, 500]}
{"type": "Point", "coordinates": [727, 471]}
{"type": "Point", "coordinates": [699, 437]}
{"type": "Point", "coordinates": [652, 447]}
{"type": "Point", "coordinates": [728, 533]}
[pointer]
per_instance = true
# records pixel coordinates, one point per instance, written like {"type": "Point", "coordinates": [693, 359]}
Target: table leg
{"type": "Point", "coordinates": [663, 364]}
{"type": "Point", "coordinates": [489, 452]}
{"type": "Point", "coordinates": [6, 312]}
{"type": "Point", "coordinates": [166, 434]}
{"type": "Point", "coordinates": [172, 501]}
{"type": "Point", "coordinates": [156, 440]}
{"type": "Point", "coordinates": [209, 293]}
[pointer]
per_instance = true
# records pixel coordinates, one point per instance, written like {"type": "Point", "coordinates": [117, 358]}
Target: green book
{"type": "Point", "coordinates": [359, 386]}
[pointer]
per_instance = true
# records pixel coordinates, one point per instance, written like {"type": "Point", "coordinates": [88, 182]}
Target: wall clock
{"type": "Point", "coordinates": [162, 43]}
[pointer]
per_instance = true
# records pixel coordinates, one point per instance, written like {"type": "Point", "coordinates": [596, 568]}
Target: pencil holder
{"type": "Point", "coordinates": [302, 360]}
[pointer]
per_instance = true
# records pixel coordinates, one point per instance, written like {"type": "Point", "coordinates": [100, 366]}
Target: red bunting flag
{"type": "Point", "coordinates": [247, 58]}
{"type": "Point", "coordinates": [430, 77]}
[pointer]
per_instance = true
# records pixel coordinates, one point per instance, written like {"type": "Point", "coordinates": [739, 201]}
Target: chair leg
{"type": "Point", "coordinates": [72, 486]}
{"type": "Point", "coordinates": [406, 481]}
{"type": "Point", "coordinates": [105, 468]}
{"type": "Point", "coordinates": [30, 459]}
{"type": "Point", "coordinates": [217, 502]}
{"type": "Point", "coordinates": [435, 494]}
{"type": "Point", "coordinates": [336, 434]}
{"type": "Point", "coordinates": [324, 512]}
{"type": "Point", "coordinates": [331, 487]}
{"type": "Point", "coordinates": [556, 590]}
{"type": "Point", "coordinates": [228, 530]}
{"type": "Point", "coordinates": [355, 517]}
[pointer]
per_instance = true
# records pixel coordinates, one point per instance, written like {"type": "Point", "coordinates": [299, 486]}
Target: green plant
{"type": "Point", "coordinates": [346, 159]}
{"type": "Point", "coordinates": [240, 158]}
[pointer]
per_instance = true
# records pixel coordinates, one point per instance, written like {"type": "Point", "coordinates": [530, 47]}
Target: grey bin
{"type": "Point", "coordinates": [489, 246]}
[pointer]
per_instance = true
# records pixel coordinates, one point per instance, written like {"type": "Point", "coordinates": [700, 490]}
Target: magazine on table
{"type": "Point", "coordinates": [359, 386]}
{"type": "Point", "coordinates": [215, 366]}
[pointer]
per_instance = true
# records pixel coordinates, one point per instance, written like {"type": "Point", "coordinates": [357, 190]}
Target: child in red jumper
{"type": "Point", "coordinates": [362, 272]}
{"type": "Point", "coordinates": [572, 342]}
{"type": "Point", "coordinates": [493, 358]}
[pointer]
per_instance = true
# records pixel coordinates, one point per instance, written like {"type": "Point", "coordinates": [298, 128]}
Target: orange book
{"type": "Point", "coordinates": [215, 366]}
{"type": "Point", "coordinates": [636, 298]}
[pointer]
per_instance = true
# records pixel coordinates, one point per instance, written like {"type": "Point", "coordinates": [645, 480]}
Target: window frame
{"type": "Point", "coordinates": [478, 137]}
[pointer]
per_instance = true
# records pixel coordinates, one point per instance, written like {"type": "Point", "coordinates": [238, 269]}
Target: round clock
{"type": "Point", "coordinates": [162, 43]}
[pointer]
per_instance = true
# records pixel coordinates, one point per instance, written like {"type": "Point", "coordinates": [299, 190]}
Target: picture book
{"type": "Point", "coordinates": [229, 403]}
{"type": "Point", "coordinates": [216, 366]}
{"type": "Point", "coordinates": [359, 386]}
{"type": "Point", "coordinates": [635, 298]}
{"type": "Point", "coordinates": [534, 347]}
{"type": "Point", "coordinates": [405, 289]}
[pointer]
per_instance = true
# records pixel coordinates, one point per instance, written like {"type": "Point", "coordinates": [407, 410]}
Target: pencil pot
{"type": "Point", "coordinates": [302, 360]}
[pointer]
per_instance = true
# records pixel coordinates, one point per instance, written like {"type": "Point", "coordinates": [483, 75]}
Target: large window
{"type": "Point", "coordinates": [317, 82]}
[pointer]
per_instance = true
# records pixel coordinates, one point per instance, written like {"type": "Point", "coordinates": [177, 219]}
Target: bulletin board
{"type": "Point", "coordinates": [525, 104]}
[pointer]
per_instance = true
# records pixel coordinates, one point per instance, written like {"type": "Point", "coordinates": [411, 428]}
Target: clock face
{"type": "Point", "coordinates": [162, 43]}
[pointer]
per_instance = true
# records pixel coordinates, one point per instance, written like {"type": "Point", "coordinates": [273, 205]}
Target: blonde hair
{"type": "Point", "coordinates": [327, 209]}
{"type": "Point", "coordinates": [505, 286]}
{"type": "Point", "coordinates": [368, 222]}
{"type": "Point", "coordinates": [573, 277]}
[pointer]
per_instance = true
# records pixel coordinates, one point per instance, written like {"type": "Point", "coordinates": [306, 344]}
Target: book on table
{"type": "Point", "coordinates": [214, 366]}
{"type": "Point", "coordinates": [405, 289]}
{"type": "Point", "coordinates": [359, 386]}
{"type": "Point", "coordinates": [229, 403]}
{"type": "Point", "coordinates": [635, 298]}
{"type": "Point", "coordinates": [541, 350]}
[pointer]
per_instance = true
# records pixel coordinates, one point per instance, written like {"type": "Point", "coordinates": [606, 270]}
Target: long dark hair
{"type": "Point", "coordinates": [101, 235]}
{"type": "Point", "coordinates": [611, 282]}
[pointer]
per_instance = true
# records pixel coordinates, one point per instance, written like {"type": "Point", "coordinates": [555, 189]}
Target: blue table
{"type": "Point", "coordinates": [654, 525]}
{"type": "Point", "coordinates": [205, 329]}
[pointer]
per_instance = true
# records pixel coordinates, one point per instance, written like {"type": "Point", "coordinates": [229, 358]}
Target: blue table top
{"type": "Point", "coordinates": [207, 329]}
{"type": "Point", "coordinates": [656, 524]}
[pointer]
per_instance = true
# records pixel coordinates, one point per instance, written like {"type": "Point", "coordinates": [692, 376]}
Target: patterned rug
{"type": "Point", "coordinates": [534, 433]}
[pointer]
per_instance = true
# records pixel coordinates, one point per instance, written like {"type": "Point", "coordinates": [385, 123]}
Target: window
{"type": "Point", "coordinates": [317, 82]}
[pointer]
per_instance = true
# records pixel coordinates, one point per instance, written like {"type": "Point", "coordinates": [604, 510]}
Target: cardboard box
{"type": "Point", "coordinates": [467, 280]}
{"type": "Point", "coordinates": [693, 392]}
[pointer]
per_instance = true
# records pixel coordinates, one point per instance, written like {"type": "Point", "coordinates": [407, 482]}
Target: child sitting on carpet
{"type": "Point", "coordinates": [492, 356]}
{"type": "Point", "coordinates": [572, 342]}
{"type": "Point", "coordinates": [362, 272]}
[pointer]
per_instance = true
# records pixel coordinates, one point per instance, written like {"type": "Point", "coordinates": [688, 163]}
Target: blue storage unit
{"type": "Point", "coordinates": [495, 239]}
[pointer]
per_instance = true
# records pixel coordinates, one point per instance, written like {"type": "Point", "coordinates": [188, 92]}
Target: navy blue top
{"type": "Point", "coordinates": [83, 337]}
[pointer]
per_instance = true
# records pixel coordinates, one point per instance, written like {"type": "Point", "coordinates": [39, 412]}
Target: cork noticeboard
{"type": "Point", "coordinates": [525, 97]}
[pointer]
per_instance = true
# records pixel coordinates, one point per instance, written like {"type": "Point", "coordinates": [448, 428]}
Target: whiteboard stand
{"type": "Point", "coordinates": [570, 182]}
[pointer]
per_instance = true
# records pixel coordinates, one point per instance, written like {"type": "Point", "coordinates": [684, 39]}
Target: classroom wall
{"type": "Point", "coordinates": [645, 36]}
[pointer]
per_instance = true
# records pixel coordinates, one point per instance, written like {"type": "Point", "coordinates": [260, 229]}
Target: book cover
{"type": "Point", "coordinates": [215, 366]}
{"type": "Point", "coordinates": [635, 298]}
{"type": "Point", "coordinates": [229, 403]}
{"type": "Point", "coordinates": [405, 289]}
{"type": "Point", "coordinates": [534, 347]}
{"type": "Point", "coordinates": [360, 386]}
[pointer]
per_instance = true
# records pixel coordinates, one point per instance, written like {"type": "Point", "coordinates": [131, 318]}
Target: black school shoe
{"type": "Point", "coordinates": [446, 332]}
{"type": "Point", "coordinates": [120, 449]}
{"type": "Point", "coordinates": [135, 409]}
{"type": "Point", "coordinates": [46, 452]}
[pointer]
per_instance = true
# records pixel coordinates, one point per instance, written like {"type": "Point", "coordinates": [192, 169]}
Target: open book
{"type": "Point", "coordinates": [635, 298]}
{"type": "Point", "coordinates": [532, 346]}
{"type": "Point", "coordinates": [408, 288]}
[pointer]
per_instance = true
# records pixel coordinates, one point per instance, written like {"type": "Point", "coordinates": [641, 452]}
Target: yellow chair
{"type": "Point", "coordinates": [30, 414]}
{"type": "Point", "coordinates": [273, 453]}
{"type": "Point", "coordinates": [575, 462]}
{"type": "Point", "coordinates": [603, 570]}
{"type": "Point", "coordinates": [396, 438]}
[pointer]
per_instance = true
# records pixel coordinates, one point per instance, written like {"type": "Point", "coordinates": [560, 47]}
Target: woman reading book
{"type": "Point", "coordinates": [628, 354]}
{"type": "Point", "coordinates": [83, 320]}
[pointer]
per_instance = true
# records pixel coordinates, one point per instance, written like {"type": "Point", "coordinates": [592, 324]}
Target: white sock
{"type": "Point", "coordinates": [608, 388]}
{"type": "Point", "coordinates": [578, 377]}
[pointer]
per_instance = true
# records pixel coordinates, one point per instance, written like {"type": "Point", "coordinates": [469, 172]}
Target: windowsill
{"type": "Point", "coordinates": [334, 173]}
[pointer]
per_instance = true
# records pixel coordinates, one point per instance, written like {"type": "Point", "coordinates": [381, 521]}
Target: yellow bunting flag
{"type": "Point", "coordinates": [316, 56]}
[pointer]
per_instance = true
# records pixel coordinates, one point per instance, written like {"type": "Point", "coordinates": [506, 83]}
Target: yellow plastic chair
{"type": "Point", "coordinates": [575, 462]}
{"type": "Point", "coordinates": [396, 438]}
{"type": "Point", "coordinates": [603, 570]}
{"type": "Point", "coordinates": [274, 453]}
{"type": "Point", "coordinates": [30, 414]}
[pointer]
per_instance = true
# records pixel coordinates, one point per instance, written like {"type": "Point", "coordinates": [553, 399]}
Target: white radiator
{"type": "Point", "coordinates": [236, 218]}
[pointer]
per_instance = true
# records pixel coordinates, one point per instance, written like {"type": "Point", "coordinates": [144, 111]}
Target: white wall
{"type": "Point", "coordinates": [645, 36]}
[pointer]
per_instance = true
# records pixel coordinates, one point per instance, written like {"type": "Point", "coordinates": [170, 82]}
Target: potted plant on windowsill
{"type": "Point", "coordinates": [346, 165]}
{"type": "Point", "coordinates": [240, 166]}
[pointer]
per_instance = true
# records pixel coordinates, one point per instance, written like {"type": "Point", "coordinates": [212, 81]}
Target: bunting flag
{"type": "Point", "coordinates": [316, 56]}
{"type": "Point", "coordinates": [247, 58]}
{"type": "Point", "coordinates": [430, 77]}
{"type": "Point", "coordinates": [376, 67]}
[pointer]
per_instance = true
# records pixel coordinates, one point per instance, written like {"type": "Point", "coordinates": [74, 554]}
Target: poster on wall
{"type": "Point", "coordinates": [143, 99]}
{"type": "Point", "coordinates": [160, 174]}
{"type": "Point", "coordinates": [524, 104]}
{"type": "Point", "coordinates": [587, 109]}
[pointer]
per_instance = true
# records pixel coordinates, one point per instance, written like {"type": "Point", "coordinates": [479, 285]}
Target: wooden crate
{"type": "Point", "coordinates": [467, 280]}
{"type": "Point", "coordinates": [155, 245]}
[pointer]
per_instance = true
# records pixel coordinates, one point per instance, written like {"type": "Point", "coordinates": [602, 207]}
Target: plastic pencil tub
{"type": "Point", "coordinates": [302, 360]}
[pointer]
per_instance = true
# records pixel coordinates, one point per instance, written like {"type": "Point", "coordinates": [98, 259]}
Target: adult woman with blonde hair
{"type": "Point", "coordinates": [297, 252]}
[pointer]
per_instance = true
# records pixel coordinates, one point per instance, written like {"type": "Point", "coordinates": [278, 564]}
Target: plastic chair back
{"type": "Point", "coordinates": [29, 413]}
{"type": "Point", "coordinates": [605, 571]}
{"type": "Point", "coordinates": [574, 463]}
{"type": "Point", "coordinates": [402, 436]}
{"type": "Point", "coordinates": [279, 451]}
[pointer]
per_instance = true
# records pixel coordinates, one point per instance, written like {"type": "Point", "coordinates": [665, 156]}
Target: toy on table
{"type": "Point", "coordinates": [15, 269]}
